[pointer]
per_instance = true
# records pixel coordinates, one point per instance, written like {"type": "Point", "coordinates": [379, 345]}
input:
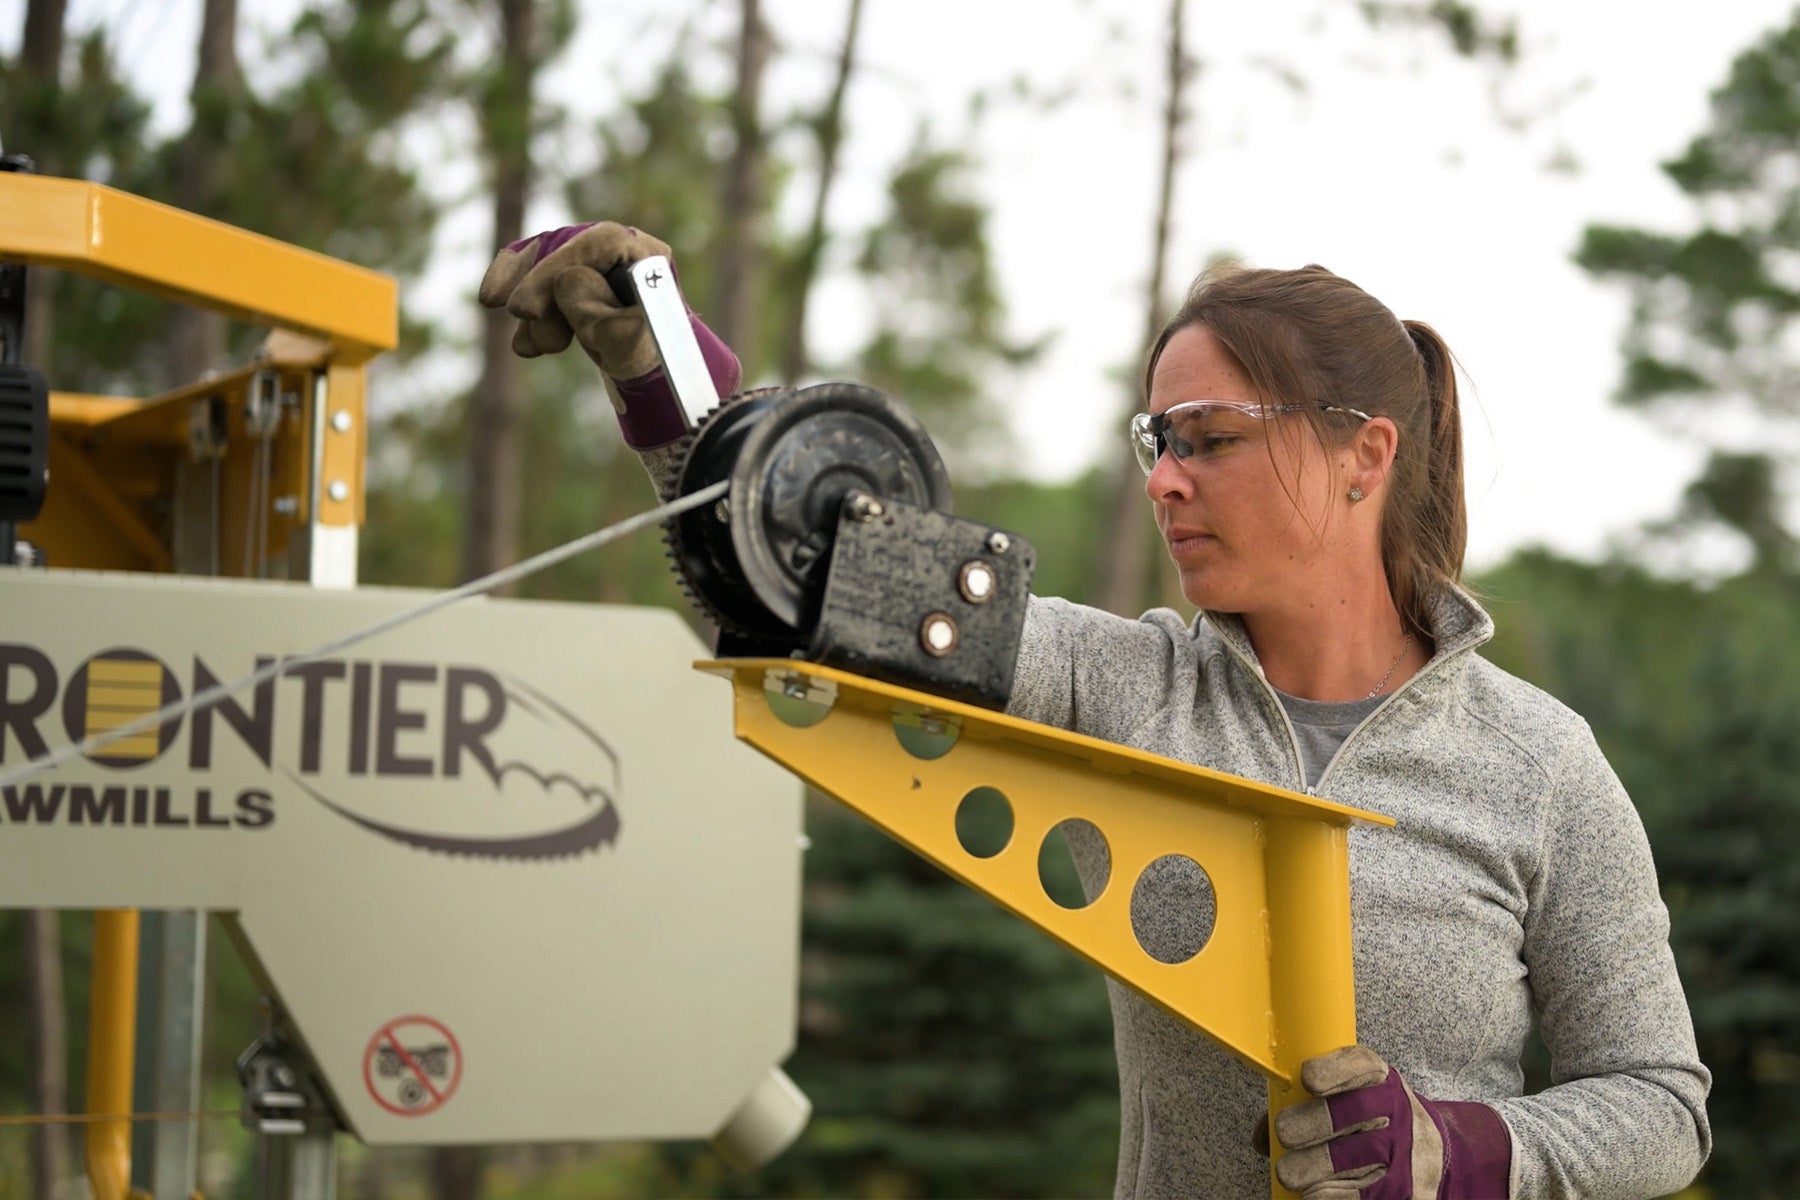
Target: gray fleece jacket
{"type": "Point", "coordinates": [1517, 884]}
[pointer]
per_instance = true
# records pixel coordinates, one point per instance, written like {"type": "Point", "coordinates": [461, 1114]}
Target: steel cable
{"type": "Point", "coordinates": [487, 583]}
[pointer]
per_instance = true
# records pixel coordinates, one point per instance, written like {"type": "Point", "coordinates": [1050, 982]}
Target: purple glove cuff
{"type": "Point", "coordinates": [653, 415]}
{"type": "Point", "coordinates": [1477, 1147]}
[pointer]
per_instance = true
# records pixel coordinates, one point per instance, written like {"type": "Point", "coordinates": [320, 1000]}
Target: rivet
{"type": "Point", "coordinates": [976, 582]}
{"type": "Point", "coordinates": [339, 490]}
{"type": "Point", "coordinates": [937, 634]}
{"type": "Point", "coordinates": [340, 421]}
{"type": "Point", "coordinates": [998, 543]}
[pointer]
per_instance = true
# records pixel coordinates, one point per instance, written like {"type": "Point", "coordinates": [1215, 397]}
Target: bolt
{"type": "Point", "coordinates": [722, 511]}
{"type": "Point", "coordinates": [339, 490]}
{"type": "Point", "coordinates": [340, 421]}
{"type": "Point", "coordinates": [998, 543]}
{"type": "Point", "coordinates": [865, 507]}
{"type": "Point", "coordinates": [977, 582]}
{"type": "Point", "coordinates": [937, 633]}
{"type": "Point", "coordinates": [283, 1075]}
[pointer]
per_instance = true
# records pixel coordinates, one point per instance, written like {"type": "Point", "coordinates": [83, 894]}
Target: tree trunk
{"type": "Point", "coordinates": [496, 410]}
{"type": "Point", "coordinates": [1124, 562]}
{"type": "Point", "coordinates": [49, 1074]}
{"type": "Point", "coordinates": [456, 1170]}
{"type": "Point", "coordinates": [733, 315]}
{"type": "Point", "coordinates": [40, 66]}
{"type": "Point", "coordinates": [197, 338]}
{"type": "Point", "coordinates": [43, 40]}
{"type": "Point", "coordinates": [794, 357]}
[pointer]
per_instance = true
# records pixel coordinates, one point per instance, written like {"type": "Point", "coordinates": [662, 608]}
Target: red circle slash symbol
{"type": "Point", "coordinates": [412, 1066]}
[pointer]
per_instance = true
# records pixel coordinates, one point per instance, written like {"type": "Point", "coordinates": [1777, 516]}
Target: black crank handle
{"type": "Point", "coordinates": [619, 279]}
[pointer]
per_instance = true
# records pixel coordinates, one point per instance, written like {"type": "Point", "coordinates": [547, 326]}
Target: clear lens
{"type": "Point", "coordinates": [1144, 443]}
{"type": "Point", "coordinates": [1211, 429]}
{"type": "Point", "coordinates": [1200, 429]}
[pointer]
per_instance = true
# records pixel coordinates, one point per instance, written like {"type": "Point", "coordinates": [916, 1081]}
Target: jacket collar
{"type": "Point", "coordinates": [1458, 625]}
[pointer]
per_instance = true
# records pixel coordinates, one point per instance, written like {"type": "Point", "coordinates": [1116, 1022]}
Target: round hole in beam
{"type": "Point", "coordinates": [1173, 909]}
{"type": "Point", "coordinates": [925, 736]}
{"type": "Point", "coordinates": [798, 701]}
{"type": "Point", "coordinates": [984, 822]}
{"type": "Point", "coordinates": [1074, 863]}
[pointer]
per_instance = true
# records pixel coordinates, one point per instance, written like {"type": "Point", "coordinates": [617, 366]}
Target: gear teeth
{"type": "Point", "coordinates": [671, 537]}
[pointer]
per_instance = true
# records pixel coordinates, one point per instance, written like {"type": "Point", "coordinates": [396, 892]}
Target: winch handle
{"type": "Point", "coordinates": [650, 284]}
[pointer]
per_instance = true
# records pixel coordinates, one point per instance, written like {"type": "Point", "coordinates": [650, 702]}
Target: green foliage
{"type": "Point", "coordinates": [948, 1049]}
{"type": "Point", "coordinates": [1740, 491]}
{"type": "Point", "coordinates": [1714, 310]}
{"type": "Point", "coordinates": [1470, 32]}
{"type": "Point", "coordinates": [323, 167]}
{"type": "Point", "coordinates": [315, 161]}
{"type": "Point", "coordinates": [87, 122]}
{"type": "Point", "coordinates": [661, 168]}
{"type": "Point", "coordinates": [947, 1044]}
{"type": "Point", "coordinates": [940, 318]}
{"type": "Point", "coordinates": [1726, 809]}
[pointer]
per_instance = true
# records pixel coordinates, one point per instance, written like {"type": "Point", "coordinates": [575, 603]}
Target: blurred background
{"type": "Point", "coordinates": [985, 209]}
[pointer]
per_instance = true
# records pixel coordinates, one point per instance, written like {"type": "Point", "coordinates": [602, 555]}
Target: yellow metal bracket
{"type": "Point", "coordinates": [306, 468]}
{"type": "Point", "coordinates": [1273, 983]}
{"type": "Point", "coordinates": [137, 243]}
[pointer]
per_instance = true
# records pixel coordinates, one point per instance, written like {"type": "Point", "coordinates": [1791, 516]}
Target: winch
{"type": "Point", "coordinates": [835, 543]}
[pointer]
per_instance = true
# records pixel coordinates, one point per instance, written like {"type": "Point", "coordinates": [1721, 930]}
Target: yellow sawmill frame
{"type": "Point", "coordinates": [113, 458]}
{"type": "Point", "coordinates": [116, 464]}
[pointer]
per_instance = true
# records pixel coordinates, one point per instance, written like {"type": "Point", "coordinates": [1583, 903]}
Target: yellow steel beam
{"type": "Point", "coordinates": [81, 410]}
{"type": "Point", "coordinates": [94, 230]}
{"type": "Point", "coordinates": [114, 460]}
{"type": "Point", "coordinates": [112, 1017]}
{"type": "Point", "coordinates": [1274, 981]}
{"type": "Point", "coordinates": [91, 525]}
{"type": "Point", "coordinates": [344, 427]}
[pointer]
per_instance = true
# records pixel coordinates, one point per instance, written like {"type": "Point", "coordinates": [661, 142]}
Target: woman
{"type": "Point", "coordinates": [1304, 464]}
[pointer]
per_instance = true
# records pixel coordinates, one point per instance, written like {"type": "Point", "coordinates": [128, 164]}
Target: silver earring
{"type": "Point", "coordinates": [1356, 494]}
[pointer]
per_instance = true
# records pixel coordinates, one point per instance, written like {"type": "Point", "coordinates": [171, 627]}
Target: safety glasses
{"type": "Point", "coordinates": [1210, 429]}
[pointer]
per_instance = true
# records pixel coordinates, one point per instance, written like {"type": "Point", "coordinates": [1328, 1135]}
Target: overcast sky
{"type": "Point", "coordinates": [1395, 165]}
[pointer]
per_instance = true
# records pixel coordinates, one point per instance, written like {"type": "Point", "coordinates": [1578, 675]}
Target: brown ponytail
{"type": "Point", "coordinates": [1431, 522]}
{"type": "Point", "coordinates": [1312, 335]}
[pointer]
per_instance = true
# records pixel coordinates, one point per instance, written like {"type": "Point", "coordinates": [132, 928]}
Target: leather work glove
{"type": "Point", "coordinates": [1369, 1136]}
{"type": "Point", "coordinates": [555, 283]}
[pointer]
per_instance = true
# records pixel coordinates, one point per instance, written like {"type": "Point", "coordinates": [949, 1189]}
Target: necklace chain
{"type": "Point", "coordinates": [1392, 667]}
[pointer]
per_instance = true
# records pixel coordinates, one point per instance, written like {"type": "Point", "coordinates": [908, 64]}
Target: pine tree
{"type": "Point", "coordinates": [1714, 310]}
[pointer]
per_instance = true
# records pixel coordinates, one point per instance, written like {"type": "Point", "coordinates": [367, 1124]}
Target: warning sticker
{"type": "Point", "coordinates": [412, 1066]}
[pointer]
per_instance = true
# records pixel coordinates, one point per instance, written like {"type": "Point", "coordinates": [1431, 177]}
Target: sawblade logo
{"type": "Point", "coordinates": [453, 759]}
{"type": "Point", "coordinates": [498, 730]}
